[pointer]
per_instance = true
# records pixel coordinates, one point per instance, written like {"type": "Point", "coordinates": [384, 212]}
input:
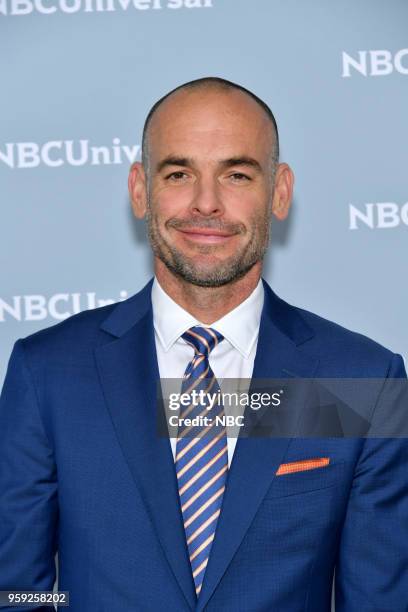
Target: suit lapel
{"type": "Point", "coordinates": [129, 374]}
{"type": "Point", "coordinates": [256, 460]}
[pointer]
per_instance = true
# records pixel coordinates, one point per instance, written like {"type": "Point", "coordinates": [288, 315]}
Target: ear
{"type": "Point", "coordinates": [137, 189]}
{"type": "Point", "coordinates": [283, 190]}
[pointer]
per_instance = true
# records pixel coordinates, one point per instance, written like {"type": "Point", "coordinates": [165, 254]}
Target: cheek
{"type": "Point", "coordinates": [169, 203]}
{"type": "Point", "coordinates": [249, 209]}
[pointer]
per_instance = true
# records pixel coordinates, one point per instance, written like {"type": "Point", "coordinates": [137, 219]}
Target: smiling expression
{"type": "Point", "coordinates": [209, 185]}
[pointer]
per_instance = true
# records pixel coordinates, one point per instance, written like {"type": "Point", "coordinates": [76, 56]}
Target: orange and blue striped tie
{"type": "Point", "coordinates": [201, 453]}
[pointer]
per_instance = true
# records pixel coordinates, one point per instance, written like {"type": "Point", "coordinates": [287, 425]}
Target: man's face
{"type": "Point", "coordinates": [210, 185]}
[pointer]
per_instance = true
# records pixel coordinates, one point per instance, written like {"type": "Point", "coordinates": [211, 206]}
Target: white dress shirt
{"type": "Point", "coordinates": [232, 358]}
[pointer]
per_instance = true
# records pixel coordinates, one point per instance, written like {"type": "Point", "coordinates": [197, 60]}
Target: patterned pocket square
{"type": "Point", "coordinates": [302, 466]}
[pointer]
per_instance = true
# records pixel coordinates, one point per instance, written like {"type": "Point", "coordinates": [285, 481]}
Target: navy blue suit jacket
{"type": "Point", "coordinates": [82, 471]}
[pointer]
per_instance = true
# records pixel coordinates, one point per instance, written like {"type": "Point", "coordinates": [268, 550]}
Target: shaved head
{"type": "Point", "coordinates": [209, 84]}
{"type": "Point", "coordinates": [209, 183]}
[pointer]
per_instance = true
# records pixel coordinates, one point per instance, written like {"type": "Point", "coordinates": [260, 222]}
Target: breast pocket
{"type": "Point", "coordinates": [306, 481]}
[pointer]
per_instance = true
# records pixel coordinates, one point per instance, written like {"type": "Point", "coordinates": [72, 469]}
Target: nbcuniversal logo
{"type": "Point", "coordinates": [382, 215]}
{"type": "Point", "coordinates": [59, 306]}
{"type": "Point", "coordinates": [20, 8]}
{"type": "Point", "coordinates": [380, 62]}
{"type": "Point", "coordinates": [56, 153]}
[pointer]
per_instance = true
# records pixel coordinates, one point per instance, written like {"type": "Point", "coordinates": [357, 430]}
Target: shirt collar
{"type": "Point", "coordinates": [240, 326]}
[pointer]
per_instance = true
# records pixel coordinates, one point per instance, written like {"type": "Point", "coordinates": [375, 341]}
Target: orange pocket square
{"type": "Point", "coordinates": [302, 466]}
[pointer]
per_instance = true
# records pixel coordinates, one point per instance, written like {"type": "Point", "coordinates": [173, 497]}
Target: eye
{"type": "Point", "coordinates": [176, 176]}
{"type": "Point", "coordinates": [240, 177]}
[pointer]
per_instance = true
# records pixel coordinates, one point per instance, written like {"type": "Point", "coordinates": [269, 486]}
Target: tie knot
{"type": "Point", "coordinates": [202, 339]}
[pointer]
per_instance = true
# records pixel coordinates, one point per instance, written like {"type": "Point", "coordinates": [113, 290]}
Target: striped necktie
{"type": "Point", "coordinates": [201, 454]}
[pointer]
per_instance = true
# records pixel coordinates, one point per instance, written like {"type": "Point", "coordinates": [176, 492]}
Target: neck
{"type": "Point", "coordinates": [207, 304]}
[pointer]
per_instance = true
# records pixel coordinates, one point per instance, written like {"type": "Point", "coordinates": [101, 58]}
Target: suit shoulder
{"type": "Point", "coordinates": [338, 342]}
{"type": "Point", "coordinates": [73, 340]}
{"type": "Point", "coordinates": [71, 343]}
{"type": "Point", "coordinates": [339, 333]}
{"type": "Point", "coordinates": [72, 334]}
{"type": "Point", "coordinates": [339, 348]}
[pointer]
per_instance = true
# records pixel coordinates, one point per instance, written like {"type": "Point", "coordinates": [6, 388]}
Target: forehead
{"type": "Point", "coordinates": [208, 122]}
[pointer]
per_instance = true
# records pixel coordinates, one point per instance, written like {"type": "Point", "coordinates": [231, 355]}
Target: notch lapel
{"type": "Point", "coordinates": [129, 376]}
{"type": "Point", "coordinates": [256, 460]}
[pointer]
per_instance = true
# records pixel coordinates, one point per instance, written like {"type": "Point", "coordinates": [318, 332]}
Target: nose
{"type": "Point", "coordinates": [207, 199]}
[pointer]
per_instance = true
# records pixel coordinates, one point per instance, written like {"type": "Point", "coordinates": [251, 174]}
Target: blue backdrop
{"type": "Point", "coordinates": [78, 78]}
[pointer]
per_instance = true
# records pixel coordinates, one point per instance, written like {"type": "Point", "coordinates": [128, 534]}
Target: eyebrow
{"type": "Point", "coordinates": [185, 162]}
{"type": "Point", "coordinates": [172, 160]}
{"type": "Point", "coordinates": [242, 161]}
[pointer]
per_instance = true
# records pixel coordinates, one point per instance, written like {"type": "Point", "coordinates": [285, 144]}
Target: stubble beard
{"type": "Point", "coordinates": [220, 271]}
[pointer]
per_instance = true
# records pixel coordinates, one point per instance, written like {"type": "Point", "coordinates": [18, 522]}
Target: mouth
{"type": "Point", "coordinates": [206, 235]}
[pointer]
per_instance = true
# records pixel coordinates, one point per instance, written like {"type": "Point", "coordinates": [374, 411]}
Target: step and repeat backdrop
{"type": "Point", "coordinates": [79, 76]}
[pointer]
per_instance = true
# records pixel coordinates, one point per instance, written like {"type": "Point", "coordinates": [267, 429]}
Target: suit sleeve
{"type": "Point", "coordinates": [372, 565]}
{"type": "Point", "coordinates": [28, 487]}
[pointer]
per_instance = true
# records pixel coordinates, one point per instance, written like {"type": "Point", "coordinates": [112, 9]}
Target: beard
{"type": "Point", "coordinates": [214, 271]}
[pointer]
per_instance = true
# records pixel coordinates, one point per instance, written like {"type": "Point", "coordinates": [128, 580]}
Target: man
{"type": "Point", "coordinates": [141, 523]}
